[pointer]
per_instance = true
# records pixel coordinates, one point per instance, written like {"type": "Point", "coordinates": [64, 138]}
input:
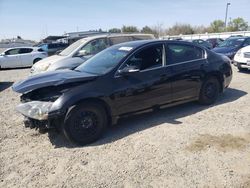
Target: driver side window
{"type": "Point", "coordinates": [147, 58]}
{"type": "Point", "coordinates": [12, 52]}
{"type": "Point", "coordinates": [95, 46]}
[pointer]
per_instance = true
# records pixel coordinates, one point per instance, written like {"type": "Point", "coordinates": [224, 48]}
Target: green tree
{"type": "Point", "coordinates": [115, 30]}
{"type": "Point", "coordinates": [129, 29]}
{"type": "Point", "coordinates": [178, 29]}
{"type": "Point", "coordinates": [237, 24]}
{"type": "Point", "coordinates": [216, 26]}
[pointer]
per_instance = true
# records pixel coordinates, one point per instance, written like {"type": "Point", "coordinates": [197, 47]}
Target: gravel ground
{"type": "Point", "coordinates": [184, 146]}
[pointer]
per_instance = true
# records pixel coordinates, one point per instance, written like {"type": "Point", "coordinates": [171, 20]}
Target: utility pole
{"type": "Point", "coordinates": [226, 16]}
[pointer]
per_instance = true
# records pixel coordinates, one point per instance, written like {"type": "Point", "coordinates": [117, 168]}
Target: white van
{"type": "Point", "coordinates": [81, 50]}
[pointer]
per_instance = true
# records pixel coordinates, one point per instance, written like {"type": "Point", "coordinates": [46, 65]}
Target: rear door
{"type": "Point", "coordinates": [26, 57]}
{"type": "Point", "coordinates": [186, 62]}
{"type": "Point", "coordinates": [11, 59]}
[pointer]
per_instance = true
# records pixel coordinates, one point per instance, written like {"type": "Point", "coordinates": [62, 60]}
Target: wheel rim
{"type": "Point", "coordinates": [210, 90]}
{"type": "Point", "coordinates": [85, 124]}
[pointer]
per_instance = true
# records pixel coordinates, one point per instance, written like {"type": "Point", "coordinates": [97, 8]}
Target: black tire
{"type": "Point", "coordinates": [209, 92]}
{"type": "Point", "coordinates": [241, 69]}
{"type": "Point", "coordinates": [36, 60]}
{"type": "Point", "coordinates": [85, 123]}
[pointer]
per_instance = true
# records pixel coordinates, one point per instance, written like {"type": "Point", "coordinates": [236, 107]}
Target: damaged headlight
{"type": "Point", "coordinates": [36, 109]}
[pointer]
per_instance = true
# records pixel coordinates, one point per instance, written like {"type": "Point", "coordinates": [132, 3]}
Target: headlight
{"type": "Point", "coordinates": [36, 109]}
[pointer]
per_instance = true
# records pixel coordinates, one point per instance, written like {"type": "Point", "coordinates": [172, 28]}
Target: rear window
{"type": "Point", "coordinates": [121, 39]}
{"type": "Point", "coordinates": [25, 50]}
{"type": "Point", "coordinates": [142, 37]}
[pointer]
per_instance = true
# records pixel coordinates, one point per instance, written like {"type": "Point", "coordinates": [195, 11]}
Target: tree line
{"type": "Point", "coordinates": [217, 26]}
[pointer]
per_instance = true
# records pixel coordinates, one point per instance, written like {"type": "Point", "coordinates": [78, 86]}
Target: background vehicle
{"type": "Point", "coordinates": [202, 43]}
{"type": "Point", "coordinates": [242, 59]}
{"type": "Point", "coordinates": [83, 49]}
{"type": "Point", "coordinates": [214, 41]}
{"type": "Point", "coordinates": [52, 48]}
{"type": "Point", "coordinates": [231, 45]}
{"type": "Point", "coordinates": [21, 57]}
{"type": "Point", "coordinates": [119, 81]}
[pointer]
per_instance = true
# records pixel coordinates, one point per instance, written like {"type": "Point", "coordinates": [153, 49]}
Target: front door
{"type": "Point", "coordinates": [147, 87]}
{"type": "Point", "coordinates": [11, 59]}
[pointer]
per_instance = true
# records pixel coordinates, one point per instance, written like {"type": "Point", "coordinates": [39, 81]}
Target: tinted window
{"type": "Point", "coordinates": [121, 39]}
{"type": "Point", "coordinates": [232, 42]}
{"type": "Point", "coordinates": [142, 37]}
{"type": "Point", "coordinates": [95, 46]}
{"type": "Point", "coordinates": [40, 50]}
{"type": "Point", "coordinates": [25, 50]}
{"type": "Point", "coordinates": [12, 52]}
{"type": "Point", "coordinates": [177, 53]}
{"type": "Point", "coordinates": [149, 57]}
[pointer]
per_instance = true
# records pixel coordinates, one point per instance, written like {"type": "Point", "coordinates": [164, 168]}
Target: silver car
{"type": "Point", "coordinates": [78, 52]}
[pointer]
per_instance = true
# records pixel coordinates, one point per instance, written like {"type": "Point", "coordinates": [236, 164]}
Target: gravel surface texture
{"type": "Point", "coordinates": [185, 146]}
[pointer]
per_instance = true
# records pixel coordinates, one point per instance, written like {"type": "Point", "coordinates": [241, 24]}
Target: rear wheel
{"type": "Point", "coordinates": [36, 60]}
{"type": "Point", "coordinates": [85, 123]}
{"type": "Point", "coordinates": [209, 91]}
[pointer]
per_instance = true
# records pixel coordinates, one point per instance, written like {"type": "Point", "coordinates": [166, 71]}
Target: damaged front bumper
{"type": "Point", "coordinates": [37, 115]}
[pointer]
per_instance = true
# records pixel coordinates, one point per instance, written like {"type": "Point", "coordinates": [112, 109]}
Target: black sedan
{"type": "Point", "coordinates": [122, 80]}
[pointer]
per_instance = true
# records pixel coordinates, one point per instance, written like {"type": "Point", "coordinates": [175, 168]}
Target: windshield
{"type": "Point", "coordinates": [104, 61]}
{"type": "Point", "coordinates": [232, 42]}
{"type": "Point", "coordinates": [71, 48]}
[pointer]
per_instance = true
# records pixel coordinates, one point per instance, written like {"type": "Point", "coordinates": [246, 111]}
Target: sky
{"type": "Point", "coordinates": [35, 19]}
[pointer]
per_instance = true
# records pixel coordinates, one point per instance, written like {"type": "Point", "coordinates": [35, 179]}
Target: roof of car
{"type": "Point", "coordinates": [35, 48]}
{"type": "Point", "coordinates": [138, 43]}
{"type": "Point", "coordinates": [113, 35]}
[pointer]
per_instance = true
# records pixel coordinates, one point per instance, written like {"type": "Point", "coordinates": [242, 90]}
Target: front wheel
{"type": "Point", "coordinates": [85, 123]}
{"type": "Point", "coordinates": [209, 91]}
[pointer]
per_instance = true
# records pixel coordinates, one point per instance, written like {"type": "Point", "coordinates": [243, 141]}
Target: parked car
{"type": "Point", "coordinates": [231, 45]}
{"type": "Point", "coordinates": [242, 59]}
{"type": "Point", "coordinates": [122, 80]}
{"type": "Point", "coordinates": [21, 57]}
{"type": "Point", "coordinates": [78, 52]}
{"type": "Point", "coordinates": [202, 43]}
{"type": "Point", "coordinates": [52, 48]}
{"type": "Point", "coordinates": [214, 41]}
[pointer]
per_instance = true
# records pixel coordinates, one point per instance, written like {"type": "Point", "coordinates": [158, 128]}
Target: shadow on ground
{"type": "Point", "coordinates": [5, 85]}
{"type": "Point", "coordinates": [139, 123]}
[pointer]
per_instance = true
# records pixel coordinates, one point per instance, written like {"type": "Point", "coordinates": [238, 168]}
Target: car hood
{"type": "Point", "coordinates": [68, 63]}
{"type": "Point", "coordinates": [224, 49]}
{"type": "Point", "coordinates": [52, 59]}
{"type": "Point", "coordinates": [54, 78]}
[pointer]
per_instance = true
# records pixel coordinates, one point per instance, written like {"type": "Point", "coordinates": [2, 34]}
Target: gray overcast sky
{"type": "Point", "coordinates": [33, 19]}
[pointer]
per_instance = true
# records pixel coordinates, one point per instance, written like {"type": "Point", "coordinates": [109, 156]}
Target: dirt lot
{"type": "Point", "coordinates": [185, 146]}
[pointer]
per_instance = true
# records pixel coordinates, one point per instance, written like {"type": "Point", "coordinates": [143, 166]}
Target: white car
{"type": "Point", "coordinates": [242, 59]}
{"type": "Point", "coordinates": [21, 57]}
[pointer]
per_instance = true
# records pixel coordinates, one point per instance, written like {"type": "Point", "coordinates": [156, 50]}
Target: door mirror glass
{"type": "Point", "coordinates": [129, 70]}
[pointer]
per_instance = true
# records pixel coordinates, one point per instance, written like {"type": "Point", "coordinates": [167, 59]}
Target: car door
{"type": "Point", "coordinates": [186, 62]}
{"type": "Point", "coordinates": [26, 57]}
{"type": "Point", "coordinates": [11, 59]}
{"type": "Point", "coordinates": [145, 88]}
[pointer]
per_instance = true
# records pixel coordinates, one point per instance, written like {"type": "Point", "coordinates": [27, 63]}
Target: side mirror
{"type": "Point", "coordinates": [3, 54]}
{"type": "Point", "coordinates": [128, 70]}
{"type": "Point", "coordinates": [58, 52]}
{"type": "Point", "coordinates": [81, 53]}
